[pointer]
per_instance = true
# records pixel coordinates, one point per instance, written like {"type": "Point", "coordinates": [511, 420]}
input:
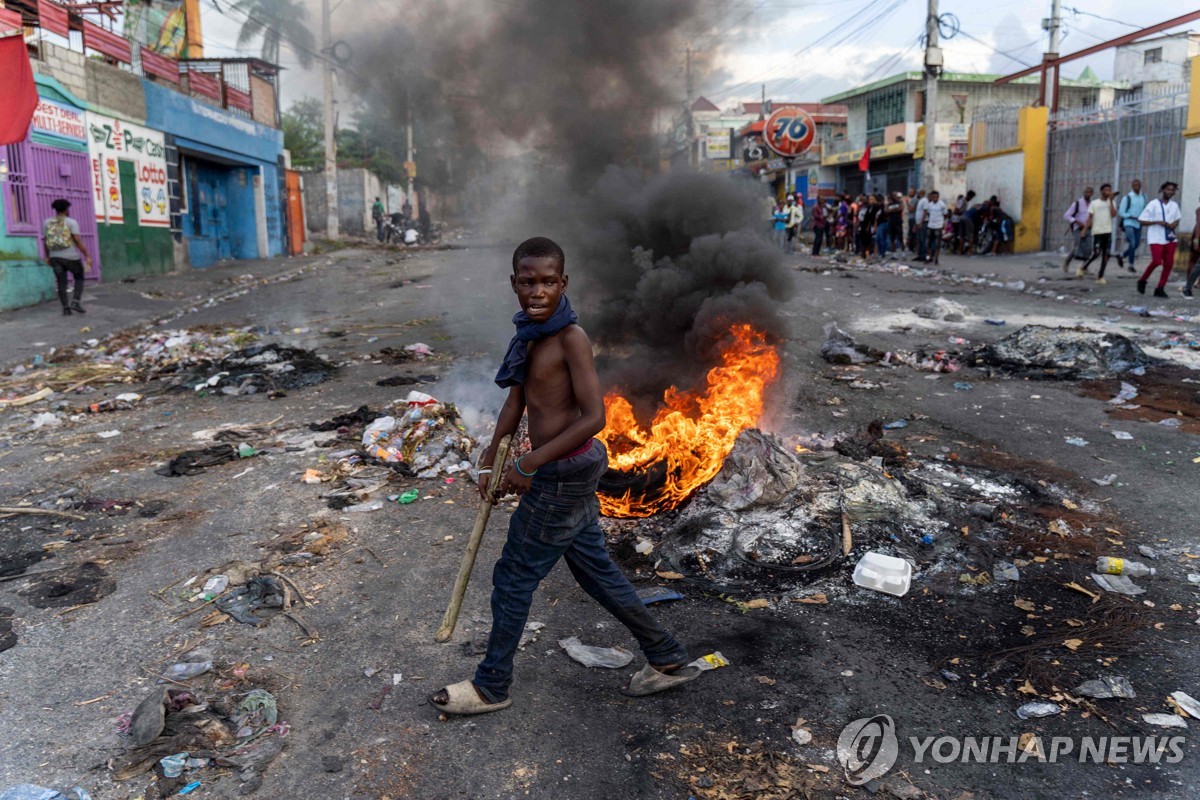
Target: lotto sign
{"type": "Point", "coordinates": [789, 132]}
{"type": "Point", "coordinates": [111, 140]}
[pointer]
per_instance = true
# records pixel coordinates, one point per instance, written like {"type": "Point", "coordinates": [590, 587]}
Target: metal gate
{"type": "Point", "coordinates": [1140, 136]}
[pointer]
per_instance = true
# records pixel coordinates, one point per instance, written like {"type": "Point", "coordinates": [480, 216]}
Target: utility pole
{"type": "Point", "coordinates": [331, 188]}
{"type": "Point", "coordinates": [691, 120]}
{"type": "Point", "coordinates": [933, 67]}
{"type": "Point", "coordinates": [1054, 26]}
{"type": "Point", "coordinates": [410, 171]}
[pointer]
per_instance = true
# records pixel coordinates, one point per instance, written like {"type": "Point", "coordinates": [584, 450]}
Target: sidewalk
{"type": "Point", "coordinates": [112, 307]}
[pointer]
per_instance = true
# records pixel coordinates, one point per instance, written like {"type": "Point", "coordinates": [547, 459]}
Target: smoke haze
{"type": "Point", "coordinates": [662, 262]}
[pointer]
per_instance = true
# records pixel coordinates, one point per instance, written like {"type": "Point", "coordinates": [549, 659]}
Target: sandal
{"type": "Point", "coordinates": [651, 681]}
{"type": "Point", "coordinates": [464, 699]}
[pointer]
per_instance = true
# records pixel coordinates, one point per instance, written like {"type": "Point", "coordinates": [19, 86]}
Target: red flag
{"type": "Point", "coordinates": [53, 18]}
{"type": "Point", "coordinates": [864, 163]}
{"type": "Point", "coordinates": [18, 92]}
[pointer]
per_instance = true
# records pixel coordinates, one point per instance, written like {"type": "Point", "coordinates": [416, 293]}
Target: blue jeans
{"type": "Point", "coordinates": [881, 239]}
{"type": "Point", "coordinates": [779, 236]}
{"type": "Point", "coordinates": [1133, 236]}
{"type": "Point", "coordinates": [922, 240]}
{"type": "Point", "coordinates": [559, 518]}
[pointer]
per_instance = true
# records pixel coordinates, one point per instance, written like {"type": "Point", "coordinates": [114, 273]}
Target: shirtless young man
{"type": "Point", "coordinates": [549, 371]}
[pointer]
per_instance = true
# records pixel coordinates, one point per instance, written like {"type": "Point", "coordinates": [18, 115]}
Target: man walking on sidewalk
{"type": "Point", "coordinates": [1131, 208]}
{"type": "Point", "coordinates": [1100, 225]}
{"type": "Point", "coordinates": [66, 254]}
{"type": "Point", "coordinates": [1160, 218]}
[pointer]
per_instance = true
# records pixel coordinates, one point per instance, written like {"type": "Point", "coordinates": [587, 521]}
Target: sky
{"type": "Point", "coordinates": [804, 50]}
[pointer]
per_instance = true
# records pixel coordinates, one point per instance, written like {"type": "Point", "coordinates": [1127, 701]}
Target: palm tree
{"type": "Point", "coordinates": [276, 21]}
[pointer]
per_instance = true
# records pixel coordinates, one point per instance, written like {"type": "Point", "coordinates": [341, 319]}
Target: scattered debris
{"type": "Point", "coordinates": [657, 594]}
{"type": "Point", "coordinates": [1165, 720]}
{"type": "Point", "coordinates": [589, 656]}
{"type": "Point", "coordinates": [883, 573]}
{"type": "Point", "coordinates": [1038, 709]}
{"type": "Point", "coordinates": [193, 462]}
{"type": "Point", "coordinates": [939, 308]}
{"type": "Point", "coordinates": [1106, 686]}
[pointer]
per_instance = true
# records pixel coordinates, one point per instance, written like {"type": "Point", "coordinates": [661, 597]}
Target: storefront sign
{"type": "Point", "coordinates": [877, 152]}
{"type": "Point", "coordinates": [789, 132]}
{"type": "Point", "coordinates": [56, 119]}
{"type": "Point", "coordinates": [111, 140]}
{"type": "Point", "coordinates": [716, 143]}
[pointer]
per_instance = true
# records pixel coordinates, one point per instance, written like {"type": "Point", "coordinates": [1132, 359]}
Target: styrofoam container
{"type": "Point", "coordinates": [883, 573]}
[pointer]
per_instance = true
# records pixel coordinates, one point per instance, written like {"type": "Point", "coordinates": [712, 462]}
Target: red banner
{"type": "Point", "coordinates": [206, 85]}
{"type": "Point", "coordinates": [110, 44]}
{"type": "Point", "coordinates": [9, 20]}
{"type": "Point", "coordinates": [159, 66]}
{"type": "Point", "coordinates": [236, 98]}
{"type": "Point", "coordinates": [53, 18]}
{"type": "Point", "coordinates": [18, 92]}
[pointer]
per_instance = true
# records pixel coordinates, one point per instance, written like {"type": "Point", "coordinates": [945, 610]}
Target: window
{"type": "Point", "coordinates": [1153, 55]}
{"type": "Point", "coordinates": [885, 108]}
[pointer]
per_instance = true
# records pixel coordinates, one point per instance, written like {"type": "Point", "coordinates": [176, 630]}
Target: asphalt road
{"type": "Point", "coordinates": [378, 598]}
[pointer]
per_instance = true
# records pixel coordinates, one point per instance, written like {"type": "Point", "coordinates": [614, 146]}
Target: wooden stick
{"type": "Point", "coordinates": [847, 538]}
{"type": "Point", "coordinates": [468, 562]}
{"type": "Point", "coordinates": [47, 512]}
{"type": "Point", "coordinates": [194, 610]}
{"type": "Point", "coordinates": [40, 394]}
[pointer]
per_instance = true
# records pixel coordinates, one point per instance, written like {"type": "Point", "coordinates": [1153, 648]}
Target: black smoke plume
{"type": "Point", "coordinates": [562, 97]}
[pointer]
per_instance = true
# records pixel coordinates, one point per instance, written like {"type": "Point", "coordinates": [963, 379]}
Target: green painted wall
{"type": "Point", "coordinates": [23, 280]}
{"type": "Point", "coordinates": [128, 249]}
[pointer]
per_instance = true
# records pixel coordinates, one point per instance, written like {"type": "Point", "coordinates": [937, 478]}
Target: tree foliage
{"type": "Point", "coordinates": [304, 133]}
{"type": "Point", "coordinates": [276, 22]}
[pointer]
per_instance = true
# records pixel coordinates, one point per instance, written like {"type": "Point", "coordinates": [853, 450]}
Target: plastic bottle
{"type": "Point", "coordinates": [1111, 565]}
{"type": "Point", "coordinates": [173, 765]}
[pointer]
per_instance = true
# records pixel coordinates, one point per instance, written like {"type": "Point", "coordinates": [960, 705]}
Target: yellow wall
{"type": "Point", "coordinates": [1031, 138]}
{"type": "Point", "coordinates": [1193, 122]}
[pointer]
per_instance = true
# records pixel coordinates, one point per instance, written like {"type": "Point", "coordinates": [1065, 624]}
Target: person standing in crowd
{"type": "Point", "coordinates": [841, 229]}
{"type": "Point", "coordinates": [974, 216]}
{"type": "Point", "coordinates": [820, 222]}
{"type": "Point", "coordinates": [961, 205]}
{"type": "Point", "coordinates": [1078, 240]}
{"type": "Point", "coordinates": [65, 253]}
{"type": "Point", "coordinates": [895, 222]}
{"type": "Point", "coordinates": [794, 222]}
{"type": "Point", "coordinates": [1132, 205]}
{"type": "Point", "coordinates": [868, 212]}
{"type": "Point", "coordinates": [908, 212]}
{"type": "Point", "coordinates": [1193, 272]}
{"type": "Point", "coordinates": [779, 226]}
{"type": "Point", "coordinates": [377, 216]}
{"type": "Point", "coordinates": [1100, 224]}
{"type": "Point", "coordinates": [934, 219]}
{"type": "Point", "coordinates": [922, 214]}
{"type": "Point", "coordinates": [1160, 218]}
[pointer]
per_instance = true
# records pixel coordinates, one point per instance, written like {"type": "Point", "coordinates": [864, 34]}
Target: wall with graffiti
{"type": "Point", "coordinates": [160, 26]}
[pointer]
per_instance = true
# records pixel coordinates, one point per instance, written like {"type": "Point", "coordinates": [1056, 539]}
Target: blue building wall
{"type": "Point", "coordinates": [224, 155]}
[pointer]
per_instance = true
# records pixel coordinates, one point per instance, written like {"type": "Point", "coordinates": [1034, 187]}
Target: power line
{"type": "Point", "coordinates": [784, 64]}
{"type": "Point", "coordinates": [1106, 19]}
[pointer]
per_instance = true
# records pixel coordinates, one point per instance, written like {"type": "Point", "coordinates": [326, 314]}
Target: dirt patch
{"type": "Point", "coordinates": [1162, 394]}
{"type": "Point", "coordinates": [79, 585]}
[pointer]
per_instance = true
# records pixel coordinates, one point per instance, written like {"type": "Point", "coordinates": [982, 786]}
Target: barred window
{"type": "Point", "coordinates": [18, 191]}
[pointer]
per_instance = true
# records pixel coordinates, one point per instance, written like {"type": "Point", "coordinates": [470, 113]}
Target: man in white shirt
{"type": "Point", "coordinates": [922, 205]}
{"type": "Point", "coordinates": [1100, 223]}
{"type": "Point", "coordinates": [1159, 220]}
{"type": "Point", "coordinates": [934, 217]}
{"type": "Point", "coordinates": [795, 218]}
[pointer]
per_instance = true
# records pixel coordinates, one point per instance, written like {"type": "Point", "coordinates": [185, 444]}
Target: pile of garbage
{"type": "Point", "coordinates": [774, 516]}
{"type": "Point", "coordinates": [270, 368]}
{"type": "Point", "coordinates": [842, 349]}
{"type": "Point", "coordinates": [423, 433]}
{"type": "Point", "coordinates": [181, 733]}
{"type": "Point", "coordinates": [1066, 353]}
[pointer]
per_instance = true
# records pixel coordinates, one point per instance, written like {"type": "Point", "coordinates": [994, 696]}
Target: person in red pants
{"type": "Point", "coordinates": [1159, 219]}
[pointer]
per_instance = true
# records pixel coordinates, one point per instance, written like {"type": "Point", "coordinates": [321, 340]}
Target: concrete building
{"type": "Point", "coordinates": [1156, 63]}
{"type": "Point", "coordinates": [888, 114]}
{"type": "Point", "coordinates": [168, 163]}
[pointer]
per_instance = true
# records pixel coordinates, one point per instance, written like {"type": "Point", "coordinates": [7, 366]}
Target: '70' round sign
{"type": "Point", "coordinates": [789, 132]}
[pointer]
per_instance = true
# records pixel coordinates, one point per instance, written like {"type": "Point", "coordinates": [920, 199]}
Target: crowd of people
{"type": "Point", "coordinates": [1094, 225]}
{"type": "Point", "coordinates": [916, 224]}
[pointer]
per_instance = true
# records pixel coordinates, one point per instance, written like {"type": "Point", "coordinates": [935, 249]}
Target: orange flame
{"type": "Point", "coordinates": [691, 433]}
